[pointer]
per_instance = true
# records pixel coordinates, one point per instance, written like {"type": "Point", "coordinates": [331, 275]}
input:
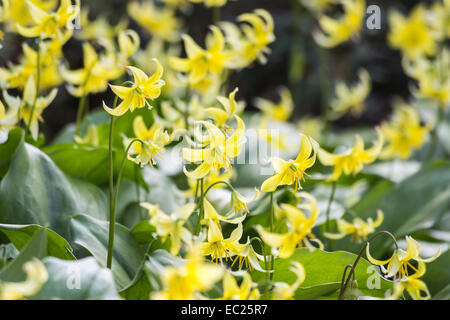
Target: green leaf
{"type": "Point", "coordinates": [76, 280]}
{"type": "Point", "coordinates": [92, 234]}
{"type": "Point", "coordinates": [20, 235]}
{"type": "Point", "coordinates": [437, 275]}
{"type": "Point", "coordinates": [7, 149]}
{"type": "Point", "coordinates": [324, 272]}
{"type": "Point", "coordinates": [91, 163]}
{"type": "Point", "coordinates": [444, 294]}
{"type": "Point", "coordinates": [36, 191]}
{"type": "Point", "coordinates": [35, 248]}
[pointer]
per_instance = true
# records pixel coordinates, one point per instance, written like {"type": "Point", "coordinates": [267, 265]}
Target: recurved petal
{"type": "Point", "coordinates": [200, 172]}
{"type": "Point", "coordinates": [271, 184]}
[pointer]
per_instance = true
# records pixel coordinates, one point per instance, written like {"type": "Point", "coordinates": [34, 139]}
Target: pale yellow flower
{"type": "Point", "coordinates": [233, 291]}
{"type": "Point", "coordinates": [280, 111]}
{"type": "Point", "coordinates": [284, 291]}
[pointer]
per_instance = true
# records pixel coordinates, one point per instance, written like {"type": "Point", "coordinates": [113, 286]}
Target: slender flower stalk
{"type": "Point", "coordinates": [272, 259]}
{"type": "Point", "coordinates": [81, 107]}
{"type": "Point", "coordinates": [434, 139]}
{"type": "Point", "coordinates": [330, 201]}
{"type": "Point", "coordinates": [353, 266]}
{"type": "Point", "coordinates": [200, 213]}
{"type": "Point", "coordinates": [38, 82]}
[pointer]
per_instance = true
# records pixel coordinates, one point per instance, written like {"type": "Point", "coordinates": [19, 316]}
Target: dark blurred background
{"type": "Point", "coordinates": [296, 60]}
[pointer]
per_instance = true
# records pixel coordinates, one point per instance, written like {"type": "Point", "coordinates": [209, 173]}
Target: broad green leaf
{"type": "Point", "coordinates": [20, 235]}
{"type": "Point", "coordinates": [437, 275]}
{"type": "Point", "coordinates": [7, 149]}
{"type": "Point", "coordinates": [76, 280]}
{"type": "Point", "coordinates": [93, 234]}
{"type": "Point", "coordinates": [36, 191]}
{"type": "Point", "coordinates": [324, 272]}
{"type": "Point", "coordinates": [444, 294]}
{"type": "Point", "coordinates": [35, 248]}
{"type": "Point", "coordinates": [91, 163]}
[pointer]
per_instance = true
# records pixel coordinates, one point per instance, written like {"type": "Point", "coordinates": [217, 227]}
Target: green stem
{"type": "Point", "coordinates": [219, 182]}
{"type": "Point", "coordinates": [328, 222]}
{"type": "Point", "coordinates": [216, 15]}
{"type": "Point", "coordinates": [200, 214]}
{"type": "Point", "coordinates": [38, 83]}
{"type": "Point", "coordinates": [271, 218]}
{"type": "Point", "coordinates": [111, 187]}
{"type": "Point", "coordinates": [353, 266]}
{"type": "Point", "coordinates": [263, 251]}
{"type": "Point", "coordinates": [112, 220]}
{"type": "Point", "coordinates": [434, 138]}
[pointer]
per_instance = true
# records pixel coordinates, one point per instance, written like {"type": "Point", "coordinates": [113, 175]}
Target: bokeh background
{"type": "Point", "coordinates": [296, 60]}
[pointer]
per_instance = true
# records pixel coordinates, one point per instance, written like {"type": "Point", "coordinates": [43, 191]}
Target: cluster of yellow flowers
{"type": "Point", "coordinates": [189, 97]}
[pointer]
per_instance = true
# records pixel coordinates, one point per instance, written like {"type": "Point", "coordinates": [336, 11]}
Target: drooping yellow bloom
{"type": "Point", "coordinates": [246, 255]}
{"type": "Point", "coordinates": [94, 76]}
{"type": "Point", "coordinates": [159, 21]}
{"type": "Point", "coordinates": [219, 247]}
{"type": "Point", "coordinates": [90, 138]}
{"type": "Point", "coordinates": [188, 281]}
{"type": "Point", "coordinates": [211, 3]}
{"type": "Point", "coordinates": [342, 29]}
{"type": "Point", "coordinates": [438, 17]}
{"type": "Point", "coordinates": [171, 225]}
{"type": "Point", "coordinates": [36, 277]}
{"type": "Point", "coordinates": [412, 35]}
{"type": "Point", "coordinates": [135, 97]}
{"type": "Point", "coordinates": [211, 214]}
{"type": "Point", "coordinates": [281, 111]}
{"type": "Point", "coordinates": [251, 41]}
{"type": "Point", "coordinates": [98, 29]}
{"type": "Point", "coordinates": [28, 115]}
{"type": "Point", "coordinates": [398, 264]}
{"type": "Point", "coordinates": [47, 24]}
{"type": "Point", "coordinates": [233, 291]}
{"type": "Point", "coordinates": [404, 133]}
{"type": "Point", "coordinates": [299, 226]}
{"type": "Point", "coordinates": [313, 127]}
{"type": "Point", "coordinates": [239, 202]}
{"type": "Point", "coordinates": [201, 62]}
{"type": "Point", "coordinates": [292, 171]}
{"type": "Point", "coordinates": [218, 149]}
{"type": "Point", "coordinates": [433, 77]}
{"type": "Point", "coordinates": [353, 160]}
{"type": "Point", "coordinates": [8, 119]}
{"type": "Point", "coordinates": [230, 108]}
{"type": "Point", "coordinates": [17, 12]}
{"type": "Point", "coordinates": [350, 99]}
{"type": "Point", "coordinates": [416, 288]}
{"type": "Point", "coordinates": [153, 141]}
{"type": "Point", "coordinates": [358, 229]}
{"type": "Point", "coordinates": [284, 291]}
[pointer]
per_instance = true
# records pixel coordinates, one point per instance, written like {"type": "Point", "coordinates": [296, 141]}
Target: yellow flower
{"type": "Point", "coordinates": [350, 99]}
{"type": "Point", "coordinates": [258, 30]}
{"type": "Point", "coordinates": [153, 141]}
{"type": "Point", "coordinates": [17, 11]}
{"type": "Point", "coordinates": [342, 29]}
{"type": "Point", "coordinates": [94, 76]}
{"type": "Point", "coordinates": [278, 112]}
{"type": "Point", "coordinates": [36, 277]}
{"type": "Point", "coordinates": [187, 281]}
{"type": "Point", "coordinates": [313, 127]}
{"type": "Point", "coordinates": [219, 149]}
{"type": "Point", "coordinates": [245, 254]}
{"type": "Point", "coordinates": [28, 115]}
{"type": "Point", "coordinates": [213, 177]}
{"type": "Point", "coordinates": [404, 133]}
{"type": "Point", "coordinates": [143, 88]}
{"type": "Point", "coordinates": [49, 24]}
{"type": "Point", "coordinates": [239, 202]}
{"type": "Point", "coordinates": [398, 264]}
{"type": "Point", "coordinates": [413, 285]}
{"type": "Point", "coordinates": [359, 229]}
{"type": "Point", "coordinates": [212, 215]}
{"type": "Point", "coordinates": [8, 119]}
{"type": "Point", "coordinates": [284, 291]}
{"type": "Point", "coordinates": [299, 227]}
{"type": "Point", "coordinates": [211, 3]}
{"type": "Point", "coordinates": [438, 16]}
{"type": "Point", "coordinates": [230, 107]}
{"type": "Point", "coordinates": [232, 291]}
{"type": "Point", "coordinates": [159, 21]}
{"type": "Point", "coordinates": [433, 77]}
{"type": "Point", "coordinates": [292, 171]}
{"type": "Point", "coordinates": [98, 29]}
{"type": "Point", "coordinates": [200, 62]}
{"type": "Point", "coordinates": [171, 225]}
{"type": "Point", "coordinates": [411, 34]}
{"type": "Point", "coordinates": [217, 246]}
{"type": "Point", "coordinates": [353, 160]}
{"type": "Point", "coordinates": [90, 138]}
